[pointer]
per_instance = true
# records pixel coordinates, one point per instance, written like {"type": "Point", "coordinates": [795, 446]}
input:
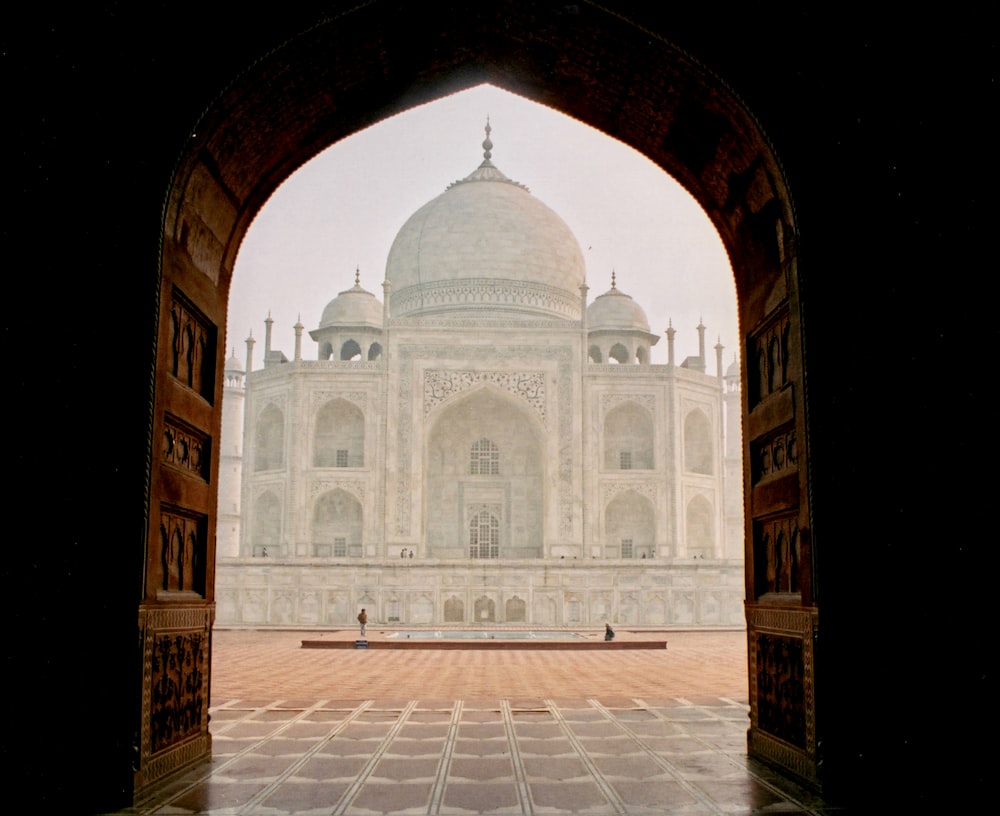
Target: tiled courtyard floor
{"type": "Point", "coordinates": [632, 732]}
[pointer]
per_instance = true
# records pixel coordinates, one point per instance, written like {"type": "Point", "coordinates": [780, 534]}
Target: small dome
{"type": "Point", "coordinates": [234, 364]}
{"type": "Point", "coordinates": [353, 307]}
{"type": "Point", "coordinates": [616, 311]}
{"type": "Point", "coordinates": [734, 368]}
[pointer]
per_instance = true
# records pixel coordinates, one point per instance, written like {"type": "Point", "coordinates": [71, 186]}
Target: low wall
{"type": "Point", "coordinates": [407, 592]}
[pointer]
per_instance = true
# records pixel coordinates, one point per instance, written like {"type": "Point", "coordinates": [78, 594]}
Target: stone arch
{"type": "Point", "coordinates": [350, 350]}
{"type": "Point", "coordinates": [375, 352]}
{"type": "Point", "coordinates": [700, 528]}
{"type": "Point", "coordinates": [265, 526]}
{"type": "Point", "coordinates": [514, 494]}
{"type": "Point", "coordinates": [295, 101]}
{"type": "Point", "coordinates": [629, 526]}
{"type": "Point", "coordinates": [699, 445]}
{"type": "Point", "coordinates": [337, 525]}
{"type": "Point", "coordinates": [619, 354]}
{"type": "Point", "coordinates": [629, 441]}
{"type": "Point", "coordinates": [269, 446]}
{"type": "Point", "coordinates": [339, 435]}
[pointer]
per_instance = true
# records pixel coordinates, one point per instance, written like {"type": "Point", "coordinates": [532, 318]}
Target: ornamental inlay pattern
{"type": "Point", "coordinates": [441, 384]}
{"type": "Point", "coordinates": [483, 293]}
{"type": "Point", "coordinates": [609, 401]}
{"type": "Point", "coordinates": [563, 357]}
{"type": "Point", "coordinates": [611, 489]}
{"type": "Point", "coordinates": [318, 398]}
{"type": "Point", "coordinates": [355, 487]}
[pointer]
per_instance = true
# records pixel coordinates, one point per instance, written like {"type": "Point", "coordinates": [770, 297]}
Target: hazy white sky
{"type": "Point", "coordinates": [342, 210]}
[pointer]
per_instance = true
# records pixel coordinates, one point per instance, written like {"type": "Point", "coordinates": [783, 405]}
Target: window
{"type": "Point", "coordinates": [340, 548]}
{"type": "Point", "coordinates": [484, 536]}
{"type": "Point", "coordinates": [485, 459]}
{"type": "Point", "coordinates": [627, 551]}
{"type": "Point", "coordinates": [625, 460]}
{"type": "Point", "coordinates": [341, 458]}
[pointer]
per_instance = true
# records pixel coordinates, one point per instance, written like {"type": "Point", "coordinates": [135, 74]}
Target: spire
{"type": "Point", "coordinates": [613, 284]}
{"type": "Point", "coordinates": [487, 171]}
{"type": "Point", "coordinates": [357, 277]}
{"type": "Point", "coordinates": [487, 143]}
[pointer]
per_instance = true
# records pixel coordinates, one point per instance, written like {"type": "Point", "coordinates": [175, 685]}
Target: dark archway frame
{"type": "Point", "coordinates": [380, 59]}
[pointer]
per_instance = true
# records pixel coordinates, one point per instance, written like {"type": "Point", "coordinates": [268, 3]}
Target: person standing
{"type": "Point", "coordinates": [363, 620]}
{"type": "Point", "coordinates": [609, 633]}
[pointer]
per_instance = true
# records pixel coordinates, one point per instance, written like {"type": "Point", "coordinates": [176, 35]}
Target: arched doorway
{"type": "Point", "coordinates": [326, 84]}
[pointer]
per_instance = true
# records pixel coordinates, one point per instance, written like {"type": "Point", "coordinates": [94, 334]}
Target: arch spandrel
{"type": "Point", "coordinates": [352, 70]}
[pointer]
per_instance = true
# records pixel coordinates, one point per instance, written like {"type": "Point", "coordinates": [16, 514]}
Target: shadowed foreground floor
{"type": "Point", "coordinates": [631, 732]}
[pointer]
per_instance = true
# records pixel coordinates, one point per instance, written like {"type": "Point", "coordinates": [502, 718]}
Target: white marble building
{"type": "Point", "coordinates": [482, 445]}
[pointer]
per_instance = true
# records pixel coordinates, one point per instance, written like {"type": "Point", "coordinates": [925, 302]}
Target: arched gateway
{"type": "Point", "coordinates": [329, 82]}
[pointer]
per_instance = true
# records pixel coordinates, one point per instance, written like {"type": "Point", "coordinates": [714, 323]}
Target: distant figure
{"type": "Point", "coordinates": [363, 620]}
{"type": "Point", "coordinates": [609, 633]}
{"type": "Point", "coordinates": [411, 553]}
{"type": "Point", "coordinates": [264, 553]}
{"type": "Point", "coordinates": [402, 553]}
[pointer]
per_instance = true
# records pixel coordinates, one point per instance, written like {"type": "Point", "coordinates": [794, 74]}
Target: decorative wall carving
{"type": "Point", "coordinates": [767, 357]}
{"type": "Point", "coordinates": [483, 293]}
{"type": "Point", "coordinates": [356, 487]}
{"type": "Point", "coordinates": [186, 448]}
{"type": "Point", "coordinates": [442, 384]}
{"type": "Point", "coordinates": [320, 398]}
{"type": "Point", "coordinates": [609, 401]}
{"type": "Point", "coordinates": [179, 673]}
{"type": "Point", "coordinates": [193, 339]}
{"type": "Point", "coordinates": [777, 554]}
{"type": "Point", "coordinates": [183, 550]}
{"type": "Point", "coordinates": [774, 454]}
{"type": "Point", "coordinates": [610, 489]}
{"type": "Point", "coordinates": [174, 726]}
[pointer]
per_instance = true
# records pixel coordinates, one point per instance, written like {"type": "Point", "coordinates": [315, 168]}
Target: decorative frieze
{"type": "Point", "coordinates": [320, 398]}
{"type": "Point", "coordinates": [356, 487]}
{"type": "Point", "coordinates": [442, 384]}
{"type": "Point", "coordinates": [609, 401]}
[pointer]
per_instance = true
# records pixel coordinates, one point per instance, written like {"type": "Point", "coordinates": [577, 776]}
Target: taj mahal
{"type": "Point", "coordinates": [484, 445]}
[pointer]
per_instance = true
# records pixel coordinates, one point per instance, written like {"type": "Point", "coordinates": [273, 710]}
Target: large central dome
{"type": "Point", "coordinates": [485, 246]}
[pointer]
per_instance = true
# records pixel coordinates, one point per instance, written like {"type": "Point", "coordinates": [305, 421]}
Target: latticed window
{"type": "Point", "coordinates": [625, 460]}
{"type": "Point", "coordinates": [341, 458]}
{"type": "Point", "coordinates": [484, 536]}
{"type": "Point", "coordinates": [340, 548]}
{"type": "Point", "coordinates": [485, 459]}
{"type": "Point", "coordinates": [627, 549]}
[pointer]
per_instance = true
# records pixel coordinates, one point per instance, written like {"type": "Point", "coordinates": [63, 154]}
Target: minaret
{"type": "Point", "coordinates": [298, 338]}
{"type": "Point", "coordinates": [227, 527]}
{"type": "Point", "coordinates": [718, 358]}
{"type": "Point", "coordinates": [250, 345]}
{"type": "Point", "coordinates": [671, 331]}
{"type": "Point", "coordinates": [701, 343]}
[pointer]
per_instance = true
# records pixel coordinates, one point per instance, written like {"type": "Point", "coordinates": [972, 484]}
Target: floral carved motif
{"type": "Point", "coordinates": [441, 384]}
{"type": "Point", "coordinates": [179, 687]}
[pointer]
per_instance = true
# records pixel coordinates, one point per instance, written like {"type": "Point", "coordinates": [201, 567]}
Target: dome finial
{"type": "Point", "coordinates": [613, 284]}
{"type": "Point", "coordinates": [487, 144]}
{"type": "Point", "coordinates": [357, 275]}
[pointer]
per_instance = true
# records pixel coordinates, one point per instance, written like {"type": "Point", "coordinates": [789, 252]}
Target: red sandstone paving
{"type": "Point", "coordinates": [271, 665]}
